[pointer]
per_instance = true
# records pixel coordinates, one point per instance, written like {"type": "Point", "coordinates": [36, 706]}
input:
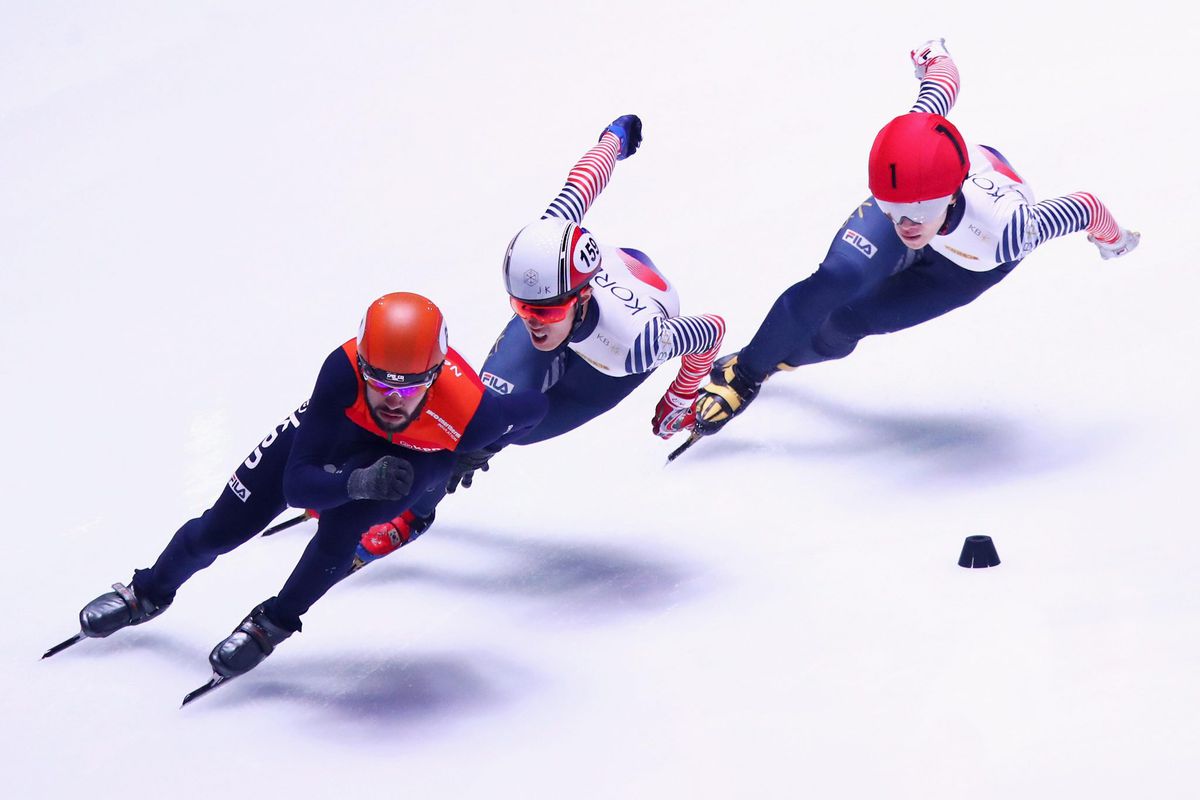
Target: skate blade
{"type": "Point", "coordinates": [58, 648]}
{"type": "Point", "coordinates": [287, 523]}
{"type": "Point", "coordinates": [677, 452]}
{"type": "Point", "coordinates": [196, 694]}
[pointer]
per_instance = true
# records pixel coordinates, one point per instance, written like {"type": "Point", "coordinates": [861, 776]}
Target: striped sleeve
{"type": "Point", "coordinates": [587, 179]}
{"type": "Point", "coordinates": [1033, 225]}
{"type": "Point", "coordinates": [939, 87]}
{"type": "Point", "coordinates": [695, 339]}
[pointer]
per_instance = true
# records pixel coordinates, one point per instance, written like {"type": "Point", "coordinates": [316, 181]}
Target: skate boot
{"type": "Point", "coordinates": [726, 395]}
{"type": "Point", "coordinates": [388, 537]}
{"type": "Point", "coordinates": [251, 642]}
{"type": "Point", "coordinates": [112, 611]}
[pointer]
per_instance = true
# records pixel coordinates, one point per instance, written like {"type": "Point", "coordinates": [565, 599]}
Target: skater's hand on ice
{"type": "Point", "coordinates": [674, 413]}
{"type": "Point", "coordinates": [465, 467]}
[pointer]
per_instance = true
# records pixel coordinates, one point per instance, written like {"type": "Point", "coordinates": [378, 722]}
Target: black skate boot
{"type": "Point", "coordinates": [243, 650]}
{"type": "Point", "coordinates": [110, 612]}
{"type": "Point", "coordinates": [251, 642]}
{"type": "Point", "coordinates": [726, 395]}
{"type": "Point", "coordinates": [120, 608]}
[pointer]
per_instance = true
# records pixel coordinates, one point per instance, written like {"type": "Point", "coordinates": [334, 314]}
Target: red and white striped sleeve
{"type": "Point", "coordinates": [586, 180]}
{"type": "Point", "coordinates": [1101, 224]}
{"type": "Point", "coordinates": [939, 87]}
{"type": "Point", "coordinates": [695, 366]}
{"type": "Point", "coordinates": [1034, 225]}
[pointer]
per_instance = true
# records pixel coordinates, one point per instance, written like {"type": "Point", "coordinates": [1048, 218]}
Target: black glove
{"type": "Point", "coordinates": [465, 466]}
{"type": "Point", "coordinates": [629, 130]}
{"type": "Point", "coordinates": [389, 478]}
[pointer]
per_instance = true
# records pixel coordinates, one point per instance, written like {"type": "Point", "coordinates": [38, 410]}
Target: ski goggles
{"type": "Point", "coordinates": [544, 312]}
{"type": "Point", "coordinates": [920, 212]}
{"type": "Point", "coordinates": [389, 383]}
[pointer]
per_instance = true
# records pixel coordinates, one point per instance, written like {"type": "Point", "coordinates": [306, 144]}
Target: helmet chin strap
{"type": "Point", "coordinates": [950, 210]}
{"type": "Point", "coordinates": [580, 313]}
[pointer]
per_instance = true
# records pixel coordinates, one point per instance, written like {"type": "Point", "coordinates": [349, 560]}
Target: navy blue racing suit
{"type": "Point", "coordinates": [306, 463]}
{"type": "Point", "coordinates": [868, 283]}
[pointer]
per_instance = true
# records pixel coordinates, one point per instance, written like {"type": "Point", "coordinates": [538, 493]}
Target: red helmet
{"type": "Point", "coordinates": [402, 339]}
{"type": "Point", "coordinates": [917, 157]}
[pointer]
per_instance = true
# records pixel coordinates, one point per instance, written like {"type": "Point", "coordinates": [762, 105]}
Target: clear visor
{"type": "Point", "coordinates": [920, 212]}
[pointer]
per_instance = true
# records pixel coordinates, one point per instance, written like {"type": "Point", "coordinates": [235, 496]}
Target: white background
{"type": "Point", "coordinates": [197, 201]}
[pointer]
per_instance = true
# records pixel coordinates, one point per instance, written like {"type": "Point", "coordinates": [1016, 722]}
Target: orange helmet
{"type": "Point", "coordinates": [402, 340]}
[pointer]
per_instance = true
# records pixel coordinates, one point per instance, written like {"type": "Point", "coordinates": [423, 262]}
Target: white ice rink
{"type": "Point", "coordinates": [198, 200]}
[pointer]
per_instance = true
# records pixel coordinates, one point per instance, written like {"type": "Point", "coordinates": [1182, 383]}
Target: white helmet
{"type": "Point", "coordinates": [549, 260]}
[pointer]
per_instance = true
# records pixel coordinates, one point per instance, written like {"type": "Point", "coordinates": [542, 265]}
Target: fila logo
{"type": "Point", "coordinates": [239, 488]}
{"type": "Point", "coordinates": [860, 242]}
{"type": "Point", "coordinates": [496, 383]}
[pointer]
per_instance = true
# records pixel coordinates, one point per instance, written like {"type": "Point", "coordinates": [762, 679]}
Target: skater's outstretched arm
{"type": "Point", "coordinates": [590, 175]}
{"type": "Point", "coordinates": [939, 78]}
{"type": "Point", "coordinates": [1034, 225]}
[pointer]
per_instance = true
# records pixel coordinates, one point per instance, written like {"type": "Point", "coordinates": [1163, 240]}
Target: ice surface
{"type": "Point", "coordinates": [200, 199]}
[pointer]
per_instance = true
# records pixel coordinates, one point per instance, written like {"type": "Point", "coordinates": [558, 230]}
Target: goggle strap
{"type": "Point", "coordinates": [418, 379]}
